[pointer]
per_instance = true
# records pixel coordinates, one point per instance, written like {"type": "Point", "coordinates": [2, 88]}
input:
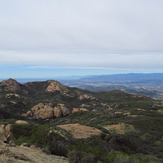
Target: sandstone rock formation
{"type": "Point", "coordinates": [43, 111]}
{"type": "Point", "coordinates": [56, 86]}
{"type": "Point", "coordinates": [6, 135]}
{"type": "Point", "coordinates": [57, 112]}
{"type": "Point", "coordinates": [46, 111]}
{"type": "Point", "coordinates": [61, 110]}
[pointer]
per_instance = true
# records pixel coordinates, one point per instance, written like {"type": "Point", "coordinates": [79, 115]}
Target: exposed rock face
{"type": "Point", "coordinates": [43, 111]}
{"type": "Point", "coordinates": [10, 85]}
{"type": "Point", "coordinates": [23, 154]}
{"type": "Point", "coordinates": [6, 133]}
{"type": "Point", "coordinates": [46, 111]}
{"type": "Point", "coordinates": [56, 86]}
{"type": "Point", "coordinates": [40, 111]}
{"type": "Point", "coordinates": [61, 110]}
{"type": "Point", "coordinates": [79, 109]}
{"type": "Point", "coordinates": [57, 112]}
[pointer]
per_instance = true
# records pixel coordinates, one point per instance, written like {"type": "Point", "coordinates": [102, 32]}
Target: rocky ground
{"type": "Point", "coordinates": [10, 153]}
{"type": "Point", "coordinates": [23, 154]}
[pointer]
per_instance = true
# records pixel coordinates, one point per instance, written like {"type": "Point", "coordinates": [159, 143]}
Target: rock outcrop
{"type": "Point", "coordinates": [61, 110]}
{"type": "Point", "coordinates": [6, 135]}
{"type": "Point", "coordinates": [46, 111]}
{"type": "Point", "coordinates": [42, 111]}
{"type": "Point", "coordinates": [56, 86]}
{"type": "Point", "coordinates": [23, 154]}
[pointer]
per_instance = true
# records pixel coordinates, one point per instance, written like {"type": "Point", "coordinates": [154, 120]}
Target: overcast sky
{"type": "Point", "coordinates": [48, 38]}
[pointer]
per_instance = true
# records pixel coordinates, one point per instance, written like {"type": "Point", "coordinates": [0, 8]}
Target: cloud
{"type": "Point", "coordinates": [48, 60]}
{"type": "Point", "coordinates": [93, 33]}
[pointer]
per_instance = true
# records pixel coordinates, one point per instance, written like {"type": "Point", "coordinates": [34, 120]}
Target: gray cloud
{"type": "Point", "coordinates": [93, 33]}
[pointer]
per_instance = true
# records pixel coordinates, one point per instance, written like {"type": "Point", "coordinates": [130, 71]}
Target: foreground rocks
{"type": "Point", "coordinates": [23, 154]}
{"type": "Point", "coordinates": [9, 153]}
{"type": "Point", "coordinates": [6, 135]}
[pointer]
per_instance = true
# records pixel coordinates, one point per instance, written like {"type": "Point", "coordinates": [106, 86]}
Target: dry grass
{"type": "Point", "coordinates": [80, 131]}
{"type": "Point", "coordinates": [120, 128]}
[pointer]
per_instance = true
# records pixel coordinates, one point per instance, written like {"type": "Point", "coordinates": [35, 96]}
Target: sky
{"type": "Point", "coordinates": [51, 38]}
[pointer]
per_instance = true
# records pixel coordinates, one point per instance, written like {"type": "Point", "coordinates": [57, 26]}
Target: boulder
{"type": "Point", "coordinates": [57, 112]}
{"type": "Point", "coordinates": [6, 134]}
{"type": "Point", "coordinates": [21, 122]}
{"type": "Point", "coordinates": [44, 113]}
{"type": "Point", "coordinates": [61, 110]}
{"type": "Point", "coordinates": [38, 107]}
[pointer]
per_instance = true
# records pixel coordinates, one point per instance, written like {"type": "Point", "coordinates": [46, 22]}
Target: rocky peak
{"type": "Point", "coordinates": [10, 85]}
{"type": "Point", "coordinates": [56, 86]}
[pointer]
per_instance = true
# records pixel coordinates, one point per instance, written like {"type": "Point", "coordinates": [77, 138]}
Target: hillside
{"type": "Point", "coordinates": [72, 122]}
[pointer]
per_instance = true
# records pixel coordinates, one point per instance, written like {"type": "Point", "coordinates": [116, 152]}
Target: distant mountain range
{"type": "Point", "coordinates": [150, 85]}
{"type": "Point", "coordinates": [145, 84]}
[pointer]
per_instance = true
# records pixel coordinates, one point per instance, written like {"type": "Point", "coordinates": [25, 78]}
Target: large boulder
{"type": "Point", "coordinates": [57, 112]}
{"type": "Point", "coordinates": [38, 107]}
{"type": "Point", "coordinates": [45, 113]}
{"type": "Point", "coordinates": [61, 110]}
{"type": "Point", "coordinates": [6, 135]}
{"type": "Point", "coordinates": [40, 111]}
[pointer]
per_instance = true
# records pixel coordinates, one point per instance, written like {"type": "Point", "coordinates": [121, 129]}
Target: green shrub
{"type": "Point", "coordinates": [40, 136]}
{"type": "Point", "coordinates": [120, 157]}
{"type": "Point", "coordinates": [81, 157]}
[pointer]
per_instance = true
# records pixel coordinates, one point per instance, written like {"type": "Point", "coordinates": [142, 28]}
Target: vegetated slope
{"type": "Point", "coordinates": [129, 123]}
